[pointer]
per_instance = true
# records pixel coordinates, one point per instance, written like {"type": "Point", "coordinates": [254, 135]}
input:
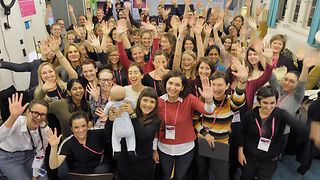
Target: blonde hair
{"type": "Point", "coordinates": [60, 83]}
{"type": "Point", "coordinates": [194, 56]}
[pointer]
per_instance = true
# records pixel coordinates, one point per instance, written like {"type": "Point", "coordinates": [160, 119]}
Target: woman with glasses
{"type": "Point", "coordinates": [112, 59]}
{"type": "Point", "coordinates": [23, 139]}
{"type": "Point", "coordinates": [100, 95]}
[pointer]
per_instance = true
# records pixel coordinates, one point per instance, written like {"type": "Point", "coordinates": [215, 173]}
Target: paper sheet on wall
{"type": "Point", "coordinates": [27, 8]}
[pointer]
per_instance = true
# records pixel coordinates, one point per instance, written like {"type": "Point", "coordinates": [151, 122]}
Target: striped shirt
{"type": "Point", "coordinates": [218, 124]}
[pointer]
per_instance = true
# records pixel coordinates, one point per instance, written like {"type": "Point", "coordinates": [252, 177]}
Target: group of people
{"type": "Point", "coordinates": [194, 76]}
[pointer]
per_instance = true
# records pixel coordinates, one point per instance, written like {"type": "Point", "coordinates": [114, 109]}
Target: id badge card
{"type": "Point", "coordinates": [42, 172]}
{"type": "Point", "coordinates": [264, 144]}
{"type": "Point", "coordinates": [170, 132]}
{"type": "Point", "coordinates": [38, 161]}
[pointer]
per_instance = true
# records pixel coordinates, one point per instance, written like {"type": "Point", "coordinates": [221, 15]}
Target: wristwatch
{"type": "Point", "coordinates": [133, 115]}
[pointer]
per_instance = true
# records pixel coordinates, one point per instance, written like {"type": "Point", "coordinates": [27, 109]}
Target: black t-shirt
{"type": "Point", "coordinates": [57, 94]}
{"type": "Point", "coordinates": [81, 159]}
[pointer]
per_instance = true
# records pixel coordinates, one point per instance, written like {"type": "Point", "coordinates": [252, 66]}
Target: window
{"type": "Point", "coordinates": [296, 11]}
{"type": "Point", "coordinates": [312, 9]}
{"type": "Point", "coordinates": [282, 9]}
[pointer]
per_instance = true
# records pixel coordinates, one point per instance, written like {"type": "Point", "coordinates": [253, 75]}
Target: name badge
{"type": "Point", "coordinates": [42, 172]}
{"type": "Point", "coordinates": [38, 161]}
{"type": "Point", "coordinates": [170, 132]}
{"type": "Point", "coordinates": [264, 144]}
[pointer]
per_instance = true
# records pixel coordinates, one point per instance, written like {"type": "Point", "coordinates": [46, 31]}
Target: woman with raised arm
{"type": "Point", "coordinates": [153, 79]}
{"type": "Point", "coordinates": [176, 136]}
{"type": "Point", "coordinates": [84, 147]}
{"type": "Point", "coordinates": [23, 139]}
{"type": "Point", "coordinates": [216, 126]}
{"type": "Point", "coordinates": [50, 86]}
{"type": "Point", "coordinates": [136, 50]}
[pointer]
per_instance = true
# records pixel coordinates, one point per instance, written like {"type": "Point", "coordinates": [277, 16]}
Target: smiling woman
{"type": "Point", "coordinates": [63, 109]}
{"type": "Point", "coordinates": [23, 139]}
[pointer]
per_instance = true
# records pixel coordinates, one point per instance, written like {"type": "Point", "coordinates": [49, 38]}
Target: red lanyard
{"type": "Point", "coordinates": [220, 108]}
{"type": "Point", "coordinates": [165, 113]}
{"type": "Point", "coordinates": [260, 130]}
{"type": "Point", "coordinates": [283, 100]}
{"type": "Point", "coordinates": [95, 152]}
{"type": "Point", "coordinates": [119, 72]}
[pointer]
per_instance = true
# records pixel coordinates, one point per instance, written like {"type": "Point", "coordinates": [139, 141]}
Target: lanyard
{"type": "Point", "coordinates": [155, 85]}
{"type": "Point", "coordinates": [283, 100]}
{"type": "Point", "coordinates": [32, 142]}
{"type": "Point", "coordinates": [196, 87]}
{"type": "Point", "coordinates": [275, 62]}
{"type": "Point", "coordinates": [60, 97]}
{"type": "Point", "coordinates": [220, 108]}
{"type": "Point", "coordinates": [95, 152]}
{"type": "Point", "coordinates": [119, 74]}
{"type": "Point", "coordinates": [165, 113]}
{"type": "Point", "coordinates": [260, 130]}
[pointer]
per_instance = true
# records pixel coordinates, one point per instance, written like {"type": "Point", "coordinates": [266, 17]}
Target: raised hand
{"type": "Point", "coordinates": [94, 41]}
{"type": "Point", "coordinates": [105, 27]}
{"type": "Point", "coordinates": [44, 47]}
{"type": "Point", "coordinates": [259, 10]}
{"type": "Point", "coordinates": [53, 138]}
{"type": "Point", "coordinates": [267, 51]}
{"type": "Point", "coordinates": [248, 3]}
{"type": "Point", "coordinates": [208, 29]}
{"type": "Point", "coordinates": [53, 44]}
{"type": "Point", "coordinates": [174, 22]}
{"type": "Point", "coordinates": [187, 2]}
{"type": "Point", "coordinates": [70, 8]}
{"type": "Point", "coordinates": [198, 4]}
{"type": "Point", "coordinates": [102, 116]}
{"type": "Point", "coordinates": [218, 25]}
{"type": "Point", "coordinates": [310, 61]}
{"type": "Point", "coordinates": [241, 71]}
{"type": "Point", "coordinates": [121, 26]}
{"type": "Point", "coordinates": [199, 26]}
{"type": "Point", "coordinates": [89, 26]}
{"type": "Point", "coordinates": [243, 31]}
{"type": "Point", "coordinates": [148, 26]}
{"type": "Point", "coordinates": [15, 105]}
{"type": "Point", "coordinates": [300, 54]}
{"type": "Point", "coordinates": [182, 26]}
{"type": "Point", "coordinates": [252, 23]}
{"type": "Point", "coordinates": [228, 4]}
{"type": "Point", "coordinates": [94, 91]}
{"type": "Point", "coordinates": [49, 85]}
{"type": "Point", "coordinates": [165, 13]}
{"type": "Point", "coordinates": [139, 3]}
{"type": "Point", "coordinates": [207, 89]}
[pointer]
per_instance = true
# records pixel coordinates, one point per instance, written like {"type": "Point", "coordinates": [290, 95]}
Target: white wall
{"type": "Point", "coordinates": [11, 49]}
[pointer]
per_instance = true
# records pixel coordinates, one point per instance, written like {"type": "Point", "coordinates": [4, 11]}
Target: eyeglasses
{"type": "Point", "coordinates": [35, 114]}
{"type": "Point", "coordinates": [106, 80]}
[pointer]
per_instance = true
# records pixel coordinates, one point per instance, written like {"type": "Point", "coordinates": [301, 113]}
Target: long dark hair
{"type": "Point", "coordinates": [147, 92]}
{"type": "Point", "coordinates": [72, 107]}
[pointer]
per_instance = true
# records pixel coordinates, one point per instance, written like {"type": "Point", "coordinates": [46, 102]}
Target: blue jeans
{"type": "Point", "coordinates": [17, 165]}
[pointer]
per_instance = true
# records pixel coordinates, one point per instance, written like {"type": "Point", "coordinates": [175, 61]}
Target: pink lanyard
{"type": "Point", "coordinates": [275, 63]}
{"type": "Point", "coordinates": [260, 130]}
{"type": "Point", "coordinates": [114, 75]}
{"type": "Point", "coordinates": [60, 97]}
{"type": "Point", "coordinates": [155, 85]}
{"type": "Point", "coordinates": [283, 100]}
{"type": "Point", "coordinates": [196, 87]}
{"type": "Point", "coordinates": [95, 152]}
{"type": "Point", "coordinates": [165, 113]}
{"type": "Point", "coordinates": [215, 118]}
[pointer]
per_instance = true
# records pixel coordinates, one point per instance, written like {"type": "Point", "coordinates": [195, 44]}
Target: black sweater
{"type": "Point", "coordinates": [25, 67]}
{"type": "Point", "coordinates": [249, 133]}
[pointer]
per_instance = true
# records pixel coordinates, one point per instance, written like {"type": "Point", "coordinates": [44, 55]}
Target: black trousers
{"type": "Point", "coordinates": [263, 170]}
